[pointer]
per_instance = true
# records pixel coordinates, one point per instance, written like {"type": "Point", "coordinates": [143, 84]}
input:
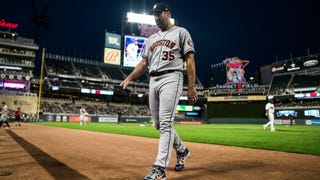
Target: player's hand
{"type": "Point", "coordinates": [124, 84]}
{"type": "Point", "coordinates": [192, 95]}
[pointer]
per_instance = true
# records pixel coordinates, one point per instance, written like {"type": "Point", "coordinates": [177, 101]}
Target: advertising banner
{"type": "Point", "coordinates": [27, 104]}
{"type": "Point", "coordinates": [77, 118]}
{"type": "Point", "coordinates": [112, 41]}
{"type": "Point", "coordinates": [112, 56]}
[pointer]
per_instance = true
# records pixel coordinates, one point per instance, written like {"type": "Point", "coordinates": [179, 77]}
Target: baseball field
{"type": "Point", "coordinates": [61, 150]}
{"type": "Point", "coordinates": [298, 138]}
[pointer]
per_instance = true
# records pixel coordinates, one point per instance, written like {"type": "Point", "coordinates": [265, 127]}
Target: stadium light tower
{"type": "Point", "coordinates": [142, 18]}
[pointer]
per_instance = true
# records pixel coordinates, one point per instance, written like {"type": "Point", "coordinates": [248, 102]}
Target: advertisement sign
{"type": "Point", "coordinates": [295, 65]}
{"type": "Point", "coordinates": [299, 113]}
{"type": "Point", "coordinates": [112, 56]}
{"type": "Point", "coordinates": [312, 122]}
{"type": "Point", "coordinates": [286, 113]}
{"type": "Point", "coordinates": [278, 69]}
{"type": "Point", "coordinates": [112, 40]}
{"type": "Point", "coordinates": [312, 113]}
{"type": "Point", "coordinates": [310, 63]}
{"type": "Point", "coordinates": [8, 25]}
{"type": "Point", "coordinates": [77, 119]}
{"type": "Point", "coordinates": [108, 119]}
{"type": "Point", "coordinates": [27, 104]}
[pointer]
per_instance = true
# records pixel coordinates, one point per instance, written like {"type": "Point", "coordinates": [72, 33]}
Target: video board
{"type": "Point", "coordinates": [133, 46]}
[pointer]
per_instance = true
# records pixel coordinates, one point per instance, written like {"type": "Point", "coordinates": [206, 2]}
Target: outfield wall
{"type": "Point", "coordinates": [102, 119]}
{"type": "Point", "coordinates": [114, 119]}
{"type": "Point", "coordinates": [218, 113]}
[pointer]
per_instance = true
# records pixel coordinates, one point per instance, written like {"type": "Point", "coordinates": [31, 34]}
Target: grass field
{"type": "Point", "coordinates": [298, 138]}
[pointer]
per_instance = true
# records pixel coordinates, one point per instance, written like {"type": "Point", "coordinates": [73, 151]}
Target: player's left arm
{"type": "Point", "coordinates": [191, 71]}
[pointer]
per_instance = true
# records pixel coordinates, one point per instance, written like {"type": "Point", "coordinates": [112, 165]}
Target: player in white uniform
{"type": "Point", "coordinates": [4, 115]}
{"type": "Point", "coordinates": [165, 53]}
{"type": "Point", "coordinates": [132, 49]}
{"type": "Point", "coordinates": [83, 116]}
{"type": "Point", "coordinates": [270, 114]}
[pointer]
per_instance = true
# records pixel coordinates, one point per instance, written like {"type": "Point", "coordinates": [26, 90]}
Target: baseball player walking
{"type": "Point", "coordinates": [270, 114]}
{"type": "Point", "coordinates": [164, 55]}
{"type": "Point", "coordinates": [83, 114]}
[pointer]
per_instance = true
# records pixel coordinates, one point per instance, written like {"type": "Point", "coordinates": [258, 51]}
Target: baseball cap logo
{"type": "Point", "coordinates": [160, 7]}
{"type": "Point", "coordinates": [154, 6]}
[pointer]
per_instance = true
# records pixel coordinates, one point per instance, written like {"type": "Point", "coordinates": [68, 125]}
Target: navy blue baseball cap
{"type": "Point", "coordinates": [159, 8]}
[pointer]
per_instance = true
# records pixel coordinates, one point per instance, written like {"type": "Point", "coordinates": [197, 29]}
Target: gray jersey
{"type": "Point", "coordinates": [4, 110]}
{"type": "Point", "coordinates": [165, 50]}
{"type": "Point", "coordinates": [4, 113]}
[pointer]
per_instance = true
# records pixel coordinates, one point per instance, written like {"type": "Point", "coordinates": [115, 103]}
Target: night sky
{"type": "Point", "coordinates": [258, 31]}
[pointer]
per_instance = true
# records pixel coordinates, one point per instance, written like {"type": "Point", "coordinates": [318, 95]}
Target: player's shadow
{"type": "Point", "coordinates": [219, 168]}
{"type": "Point", "coordinates": [57, 169]}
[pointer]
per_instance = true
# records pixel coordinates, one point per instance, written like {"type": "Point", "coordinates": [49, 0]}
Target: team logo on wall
{"type": "Point", "coordinates": [277, 69]}
{"type": "Point", "coordinates": [112, 56]}
{"type": "Point", "coordinates": [286, 113]}
{"type": "Point", "coordinates": [309, 63]}
{"type": "Point", "coordinates": [235, 69]}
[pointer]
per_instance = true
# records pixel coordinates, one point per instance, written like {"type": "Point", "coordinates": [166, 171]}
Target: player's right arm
{"type": "Point", "coordinates": [267, 109]}
{"type": "Point", "coordinates": [137, 72]}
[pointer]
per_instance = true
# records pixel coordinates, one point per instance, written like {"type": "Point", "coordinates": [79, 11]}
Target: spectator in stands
{"type": "Point", "coordinates": [4, 115]}
{"type": "Point", "coordinates": [270, 114]}
{"type": "Point", "coordinates": [17, 116]}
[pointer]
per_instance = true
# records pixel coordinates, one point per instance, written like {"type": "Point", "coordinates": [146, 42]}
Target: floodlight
{"type": "Point", "coordinates": [142, 18]}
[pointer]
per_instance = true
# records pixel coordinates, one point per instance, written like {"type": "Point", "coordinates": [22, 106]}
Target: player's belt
{"type": "Point", "coordinates": [155, 73]}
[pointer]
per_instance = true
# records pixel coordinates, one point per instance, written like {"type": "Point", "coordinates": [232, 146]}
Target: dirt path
{"type": "Point", "coordinates": [40, 152]}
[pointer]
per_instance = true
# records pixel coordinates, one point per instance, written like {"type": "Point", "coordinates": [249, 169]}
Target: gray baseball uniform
{"type": "Point", "coordinates": [165, 52]}
{"type": "Point", "coordinates": [4, 113]}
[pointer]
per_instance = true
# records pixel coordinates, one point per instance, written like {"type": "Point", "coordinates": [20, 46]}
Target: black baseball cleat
{"type": "Point", "coordinates": [156, 173]}
{"type": "Point", "coordinates": [181, 159]}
